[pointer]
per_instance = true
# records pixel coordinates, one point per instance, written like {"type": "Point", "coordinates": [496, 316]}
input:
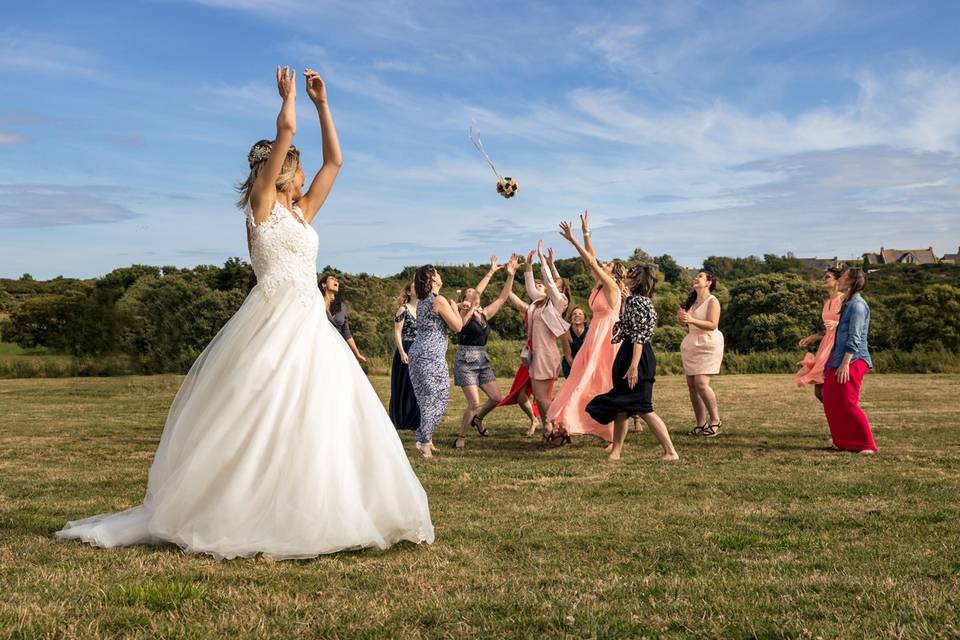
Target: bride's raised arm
{"type": "Point", "coordinates": [322, 183]}
{"type": "Point", "coordinates": [264, 191]}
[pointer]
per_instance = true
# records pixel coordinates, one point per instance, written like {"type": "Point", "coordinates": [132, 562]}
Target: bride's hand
{"type": "Point", "coordinates": [286, 82]}
{"type": "Point", "coordinates": [316, 87]}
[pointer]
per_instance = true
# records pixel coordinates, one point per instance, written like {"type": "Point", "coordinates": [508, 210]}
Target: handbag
{"type": "Point", "coordinates": [526, 355]}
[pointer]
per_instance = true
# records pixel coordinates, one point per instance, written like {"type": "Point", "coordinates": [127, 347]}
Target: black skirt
{"type": "Point", "coordinates": [404, 410]}
{"type": "Point", "coordinates": [622, 399]}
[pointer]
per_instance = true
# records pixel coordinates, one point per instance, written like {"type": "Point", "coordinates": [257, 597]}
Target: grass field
{"type": "Point", "coordinates": [762, 532]}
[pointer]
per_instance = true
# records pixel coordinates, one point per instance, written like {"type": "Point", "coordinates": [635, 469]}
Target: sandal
{"type": "Point", "coordinates": [698, 430]}
{"type": "Point", "coordinates": [478, 424]}
{"type": "Point", "coordinates": [558, 437]}
{"type": "Point", "coordinates": [425, 449]}
{"type": "Point", "coordinates": [712, 430]}
{"type": "Point", "coordinates": [460, 443]}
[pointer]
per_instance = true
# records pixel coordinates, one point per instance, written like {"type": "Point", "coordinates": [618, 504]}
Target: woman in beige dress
{"type": "Point", "coordinates": [702, 351]}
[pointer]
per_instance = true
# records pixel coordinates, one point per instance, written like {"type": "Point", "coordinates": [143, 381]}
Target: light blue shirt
{"type": "Point", "coordinates": [852, 332]}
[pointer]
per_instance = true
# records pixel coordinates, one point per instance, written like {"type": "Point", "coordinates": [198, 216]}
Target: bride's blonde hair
{"type": "Point", "coordinates": [257, 158]}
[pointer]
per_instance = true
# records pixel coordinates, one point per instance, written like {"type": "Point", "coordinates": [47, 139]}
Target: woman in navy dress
{"type": "Point", "coordinates": [404, 410]}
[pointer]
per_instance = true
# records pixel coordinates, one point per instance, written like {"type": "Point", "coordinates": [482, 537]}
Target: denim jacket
{"type": "Point", "coordinates": [852, 332]}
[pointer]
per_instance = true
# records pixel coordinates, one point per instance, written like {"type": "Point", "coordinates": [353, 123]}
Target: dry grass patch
{"type": "Point", "coordinates": [763, 532]}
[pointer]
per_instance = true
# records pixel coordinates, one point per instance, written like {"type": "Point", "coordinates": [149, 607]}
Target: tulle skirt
{"type": "Point", "coordinates": [276, 443]}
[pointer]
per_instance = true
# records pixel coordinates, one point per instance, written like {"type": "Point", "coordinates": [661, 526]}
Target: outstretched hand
{"type": "Point", "coordinates": [494, 265]}
{"type": "Point", "coordinates": [286, 82]}
{"type": "Point", "coordinates": [316, 87]}
{"type": "Point", "coordinates": [566, 230]}
{"type": "Point", "coordinates": [513, 264]}
{"type": "Point", "coordinates": [585, 221]}
{"type": "Point", "coordinates": [540, 249]}
{"type": "Point", "coordinates": [549, 254]}
{"type": "Point", "coordinates": [530, 259]}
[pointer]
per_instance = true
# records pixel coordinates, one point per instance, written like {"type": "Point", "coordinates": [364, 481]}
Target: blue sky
{"type": "Point", "coordinates": [691, 128]}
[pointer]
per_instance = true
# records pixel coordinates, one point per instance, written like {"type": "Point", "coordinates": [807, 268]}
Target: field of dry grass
{"type": "Point", "coordinates": [763, 532]}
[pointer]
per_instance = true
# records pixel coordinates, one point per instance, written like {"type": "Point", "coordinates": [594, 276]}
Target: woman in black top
{"type": "Point", "coordinates": [337, 312]}
{"type": "Point", "coordinates": [634, 368]}
{"type": "Point", "coordinates": [471, 368]}
{"type": "Point", "coordinates": [572, 340]}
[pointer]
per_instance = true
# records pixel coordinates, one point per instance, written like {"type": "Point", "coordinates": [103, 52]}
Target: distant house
{"type": "Point", "coordinates": [951, 258]}
{"type": "Point", "coordinates": [820, 264]}
{"type": "Point", "coordinates": [901, 256]}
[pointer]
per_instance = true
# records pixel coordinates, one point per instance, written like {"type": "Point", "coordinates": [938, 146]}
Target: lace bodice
{"type": "Point", "coordinates": [283, 251]}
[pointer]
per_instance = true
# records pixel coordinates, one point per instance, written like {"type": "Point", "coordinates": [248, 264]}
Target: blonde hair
{"type": "Point", "coordinates": [257, 158]}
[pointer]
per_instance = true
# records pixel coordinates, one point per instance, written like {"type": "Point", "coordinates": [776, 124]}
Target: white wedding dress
{"type": "Point", "coordinates": [276, 443]}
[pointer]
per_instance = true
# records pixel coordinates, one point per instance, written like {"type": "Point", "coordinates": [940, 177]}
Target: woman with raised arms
{"type": "Point", "coordinates": [276, 442]}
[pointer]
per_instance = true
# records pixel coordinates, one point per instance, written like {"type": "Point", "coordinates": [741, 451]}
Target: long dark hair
{"type": "Point", "coordinates": [858, 280]}
{"type": "Point", "coordinates": [423, 280]}
{"type": "Point", "coordinates": [645, 280]}
{"type": "Point", "coordinates": [337, 303]}
{"type": "Point", "coordinates": [693, 292]}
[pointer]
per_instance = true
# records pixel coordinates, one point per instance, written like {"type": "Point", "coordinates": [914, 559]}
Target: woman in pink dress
{"type": "Point", "coordinates": [521, 391]}
{"type": "Point", "coordinates": [546, 325]}
{"type": "Point", "coordinates": [811, 367]}
{"type": "Point", "coordinates": [702, 351]}
{"type": "Point", "coordinates": [591, 373]}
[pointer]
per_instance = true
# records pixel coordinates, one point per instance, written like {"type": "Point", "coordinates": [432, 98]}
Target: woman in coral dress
{"type": "Point", "coordinates": [591, 373]}
{"type": "Point", "coordinates": [811, 367]}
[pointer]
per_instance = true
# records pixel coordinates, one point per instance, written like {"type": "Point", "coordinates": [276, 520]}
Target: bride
{"type": "Point", "coordinates": [276, 443]}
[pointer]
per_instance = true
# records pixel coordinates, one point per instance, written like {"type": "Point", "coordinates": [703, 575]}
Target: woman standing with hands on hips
{"type": "Point", "coordinates": [428, 354]}
{"type": "Point", "coordinates": [702, 351]}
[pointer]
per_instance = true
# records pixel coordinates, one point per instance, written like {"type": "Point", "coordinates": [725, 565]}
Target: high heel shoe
{"type": "Point", "coordinates": [425, 449]}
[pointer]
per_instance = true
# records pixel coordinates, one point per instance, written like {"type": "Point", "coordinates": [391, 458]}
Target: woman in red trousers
{"type": "Point", "coordinates": [848, 364]}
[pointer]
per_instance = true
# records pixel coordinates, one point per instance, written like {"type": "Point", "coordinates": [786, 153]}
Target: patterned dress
{"type": "Point", "coordinates": [428, 368]}
{"type": "Point", "coordinates": [634, 327]}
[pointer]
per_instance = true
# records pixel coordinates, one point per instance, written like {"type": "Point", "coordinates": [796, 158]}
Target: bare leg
{"type": "Point", "coordinates": [663, 436]}
{"type": "Point", "coordinates": [699, 409]}
{"type": "Point", "coordinates": [472, 395]}
{"type": "Point", "coordinates": [708, 397]}
{"type": "Point", "coordinates": [492, 389]}
{"type": "Point", "coordinates": [526, 405]}
{"type": "Point", "coordinates": [541, 393]}
{"type": "Point", "coordinates": [619, 433]}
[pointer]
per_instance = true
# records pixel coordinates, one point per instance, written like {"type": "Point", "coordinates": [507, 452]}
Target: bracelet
{"type": "Point", "coordinates": [586, 234]}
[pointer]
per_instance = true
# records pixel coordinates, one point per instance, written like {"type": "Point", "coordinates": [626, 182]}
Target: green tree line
{"type": "Point", "coordinates": [161, 318]}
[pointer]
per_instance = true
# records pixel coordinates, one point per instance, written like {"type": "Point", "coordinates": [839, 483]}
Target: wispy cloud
{"type": "Point", "coordinates": [53, 205]}
{"type": "Point", "coordinates": [32, 53]}
{"type": "Point", "coordinates": [7, 137]}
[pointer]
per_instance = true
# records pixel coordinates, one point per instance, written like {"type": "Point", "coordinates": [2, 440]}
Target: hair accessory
{"type": "Point", "coordinates": [259, 153]}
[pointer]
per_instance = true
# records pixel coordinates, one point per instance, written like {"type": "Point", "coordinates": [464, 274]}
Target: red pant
{"type": "Point", "coordinates": [849, 426]}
